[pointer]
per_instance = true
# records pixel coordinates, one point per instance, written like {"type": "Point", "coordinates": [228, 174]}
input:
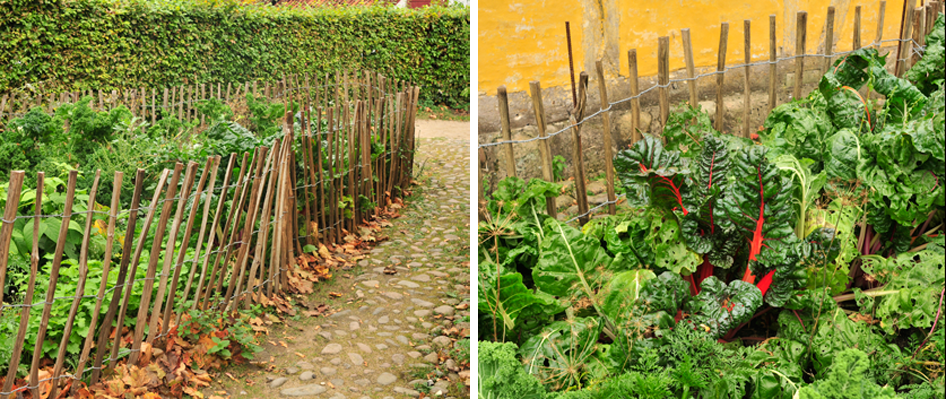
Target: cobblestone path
{"type": "Point", "coordinates": [393, 335]}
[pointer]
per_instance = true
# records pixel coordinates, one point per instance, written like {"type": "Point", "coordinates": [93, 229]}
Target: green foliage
{"type": "Point", "coordinates": [109, 44]}
{"type": "Point", "coordinates": [928, 73]}
{"type": "Point", "coordinates": [501, 376]}
{"type": "Point", "coordinates": [720, 307]}
{"type": "Point", "coordinates": [673, 296]}
{"type": "Point", "coordinates": [847, 379]}
{"type": "Point", "coordinates": [558, 167]}
{"type": "Point", "coordinates": [912, 284]}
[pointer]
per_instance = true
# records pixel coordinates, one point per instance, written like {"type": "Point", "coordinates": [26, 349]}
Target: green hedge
{"type": "Point", "coordinates": [107, 44]}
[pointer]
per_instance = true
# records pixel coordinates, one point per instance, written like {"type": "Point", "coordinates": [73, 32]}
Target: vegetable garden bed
{"type": "Point", "coordinates": [804, 262]}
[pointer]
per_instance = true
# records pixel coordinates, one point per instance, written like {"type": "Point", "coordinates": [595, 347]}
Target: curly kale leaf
{"type": "Point", "coordinates": [501, 376]}
{"type": "Point", "coordinates": [847, 379]}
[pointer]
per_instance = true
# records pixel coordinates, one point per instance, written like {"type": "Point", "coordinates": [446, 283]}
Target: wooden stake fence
{"type": "Point", "coordinates": [261, 204]}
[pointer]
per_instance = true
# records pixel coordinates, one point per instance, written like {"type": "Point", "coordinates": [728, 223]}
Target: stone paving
{"type": "Point", "coordinates": [388, 338]}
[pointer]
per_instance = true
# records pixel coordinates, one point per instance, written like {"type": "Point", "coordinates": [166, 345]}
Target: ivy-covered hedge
{"type": "Point", "coordinates": [106, 44]}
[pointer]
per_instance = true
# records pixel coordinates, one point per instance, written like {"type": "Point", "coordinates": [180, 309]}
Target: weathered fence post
{"type": "Point", "coordinates": [545, 153]}
{"type": "Point", "coordinates": [747, 101]}
{"type": "Point", "coordinates": [691, 70]}
{"type": "Point", "coordinates": [721, 75]}
{"type": "Point", "coordinates": [635, 93]}
{"type": "Point", "coordinates": [34, 270]}
{"type": "Point", "coordinates": [663, 78]}
{"type": "Point", "coordinates": [801, 26]}
{"type": "Point", "coordinates": [773, 65]}
{"type": "Point", "coordinates": [506, 133]}
{"type": "Point", "coordinates": [576, 116]}
{"type": "Point", "coordinates": [608, 150]}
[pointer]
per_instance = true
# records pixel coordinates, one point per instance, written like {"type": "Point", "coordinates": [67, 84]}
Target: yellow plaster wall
{"type": "Point", "coordinates": [524, 40]}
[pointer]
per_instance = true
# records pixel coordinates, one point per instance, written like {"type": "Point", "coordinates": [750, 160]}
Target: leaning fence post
{"type": "Point", "coordinates": [545, 153]}
{"type": "Point", "coordinates": [201, 235]}
{"type": "Point", "coordinates": [9, 216]}
{"type": "Point", "coordinates": [152, 266]}
{"type": "Point", "coordinates": [185, 240]}
{"type": "Point", "coordinates": [80, 287]}
{"type": "Point", "coordinates": [880, 24]}
{"type": "Point", "coordinates": [6, 234]}
{"type": "Point", "coordinates": [102, 343]}
{"type": "Point", "coordinates": [608, 151]}
{"type": "Point", "coordinates": [34, 267]}
{"type": "Point", "coordinates": [106, 266]}
{"type": "Point", "coordinates": [801, 25]}
{"type": "Point", "coordinates": [503, 100]}
{"type": "Point", "coordinates": [721, 75]}
{"type": "Point", "coordinates": [154, 330]}
{"type": "Point", "coordinates": [53, 279]}
{"type": "Point", "coordinates": [200, 291]}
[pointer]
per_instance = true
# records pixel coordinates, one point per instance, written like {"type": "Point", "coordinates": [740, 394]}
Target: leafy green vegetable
{"type": "Point", "coordinates": [720, 307]}
{"type": "Point", "coordinates": [912, 284]}
{"type": "Point", "coordinates": [501, 376]}
{"type": "Point", "coordinates": [847, 379]}
{"type": "Point", "coordinates": [758, 202]}
{"type": "Point", "coordinates": [559, 354]}
{"type": "Point", "coordinates": [652, 175]}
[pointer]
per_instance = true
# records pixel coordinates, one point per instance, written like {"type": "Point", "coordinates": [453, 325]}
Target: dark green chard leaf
{"type": "Point", "coordinates": [841, 217]}
{"type": "Point", "coordinates": [719, 307]}
{"type": "Point", "coordinates": [846, 108]}
{"type": "Point", "coordinates": [758, 202]}
{"type": "Point", "coordinates": [558, 355]}
{"type": "Point", "coordinates": [866, 66]}
{"type": "Point", "coordinates": [667, 292]}
{"type": "Point", "coordinates": [788, 259]}
{"type": "Point", "coordinates": [701, 230]}
{"type": "Point", "coordinates": [652, 175]}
